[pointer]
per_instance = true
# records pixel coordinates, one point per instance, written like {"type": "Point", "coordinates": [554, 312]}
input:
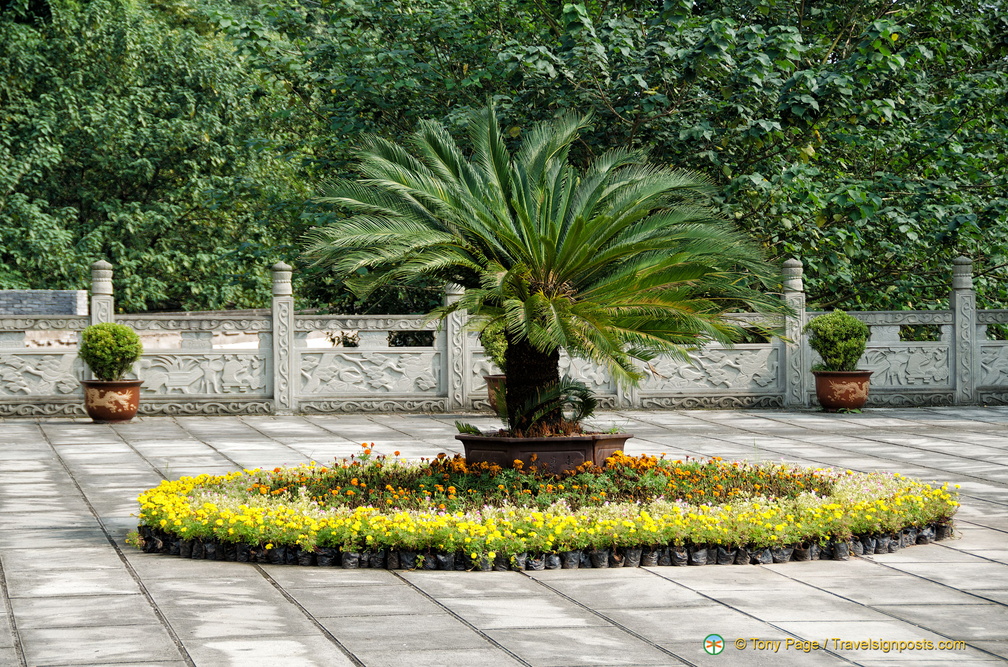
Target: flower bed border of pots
{"type": "Point", "coordinates": [156, 540]}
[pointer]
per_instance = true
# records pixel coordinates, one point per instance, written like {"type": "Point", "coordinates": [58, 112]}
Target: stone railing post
{"type": "Point", "coordinates": [284, 354]}
{"type": "Point", "coordinates": [456, 364]}
{"type": "Point", "coordinates": [962, 302]}
{"type": "Point", "coordinates": [795, 363]}
{"type": "Point", "coordinates": [102, 301]}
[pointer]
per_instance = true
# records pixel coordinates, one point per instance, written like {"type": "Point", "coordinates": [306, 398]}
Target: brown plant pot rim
{"type": "Point", "coordinates": [856, 373]}
{"type": "Point", "coordinates": [559, 439]}
{"type": "Point", "coordinates": [112, 383]}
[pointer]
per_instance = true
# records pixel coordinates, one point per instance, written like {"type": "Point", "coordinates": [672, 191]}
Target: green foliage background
{"type": "Point", "coordinates": [178, 138]}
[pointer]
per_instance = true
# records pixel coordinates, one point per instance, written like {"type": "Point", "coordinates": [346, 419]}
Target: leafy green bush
{"type": "Point", "coordinates": [109, 349]}
{"type": "Point", "coordinates": [495, 344]}
{"type": "Point", "coordinates": [839, 339]}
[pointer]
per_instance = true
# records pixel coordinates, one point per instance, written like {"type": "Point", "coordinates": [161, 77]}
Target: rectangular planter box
{"type": "Point", "coordinates": [555, 454]}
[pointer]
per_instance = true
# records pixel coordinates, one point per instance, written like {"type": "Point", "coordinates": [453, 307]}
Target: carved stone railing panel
{"type": "Point", "coordinates": [923, 365]}
{"type": "Point", "coordinates": [479, 365]}
{"type": "Point", "coordinates": [594, 376]}
{"type": "Point", "coordinates": [40, 375]}
{"type": "Point", "coordinates": [368, 372]}
{"type": "Point", "coordinates": [992, 316]}
{"type": "Point", "coordinates": [43, 323]}
{"type": "Point", "coordinates": [994, 364]}
{"type": "Point", "coordinates": [175, 322]}
{"type": "Point", "coordinates": [216, 405]}
{"type": "Point", "coordinates": [362, 323]}
{"type": "Point", "coordinates": [710, 402]}
{"type": "Point", "coordinates": [53, 407]}
{"type": "Point", "coordinates": [746, 368]}
{"type": "Point", "coordinates": [882, 398]}
{"type": "Point", "coordinates": [391, 404]}
{"type": "Point", "coordinates": [220, 374]}
{"type": "Point", "coordinates": [899, 317]}
{"type": "Point", "coordinates": [756, 319]}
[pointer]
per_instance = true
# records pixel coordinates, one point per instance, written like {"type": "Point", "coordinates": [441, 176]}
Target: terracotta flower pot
{"type": "Point", "coordinates": [842, 390]}
{"type": "Point", "coordinates": [495, 388]}
{"type": "Point", "coordinates": [111, 401]}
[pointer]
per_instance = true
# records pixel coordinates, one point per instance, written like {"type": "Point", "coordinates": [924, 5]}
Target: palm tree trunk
{"type": "Point", "coordinates": [529, 371]}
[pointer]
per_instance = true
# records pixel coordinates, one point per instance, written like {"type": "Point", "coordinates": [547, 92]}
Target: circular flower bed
{"type": "Point", "coordinates": [379, 511]}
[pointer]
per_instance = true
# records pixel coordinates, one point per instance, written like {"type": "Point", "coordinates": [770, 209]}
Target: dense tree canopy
{"type": "Point", "coordinates": [137, 137]}
{"type": "Point", "coordinates": [867, 137]}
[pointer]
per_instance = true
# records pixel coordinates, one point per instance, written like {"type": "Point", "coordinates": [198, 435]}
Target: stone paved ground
{"type": "Point", "coordinates": [75, 594]}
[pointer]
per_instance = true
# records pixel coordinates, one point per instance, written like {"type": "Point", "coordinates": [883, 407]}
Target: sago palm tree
{"type": "Point", "coordinates": [620, 261]}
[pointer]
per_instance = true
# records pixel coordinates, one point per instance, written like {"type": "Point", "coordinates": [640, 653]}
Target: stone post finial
{"type": "Point", "coordinates": [282, 279]}
{"type": "Point", "coordinates": [793, 276]}
{"type": "Point", "coordinates": [962, 273]}
{"type": "Point", "coordinates": [101, 278]}
{"type": "Point", "coordinates": [452, 293]}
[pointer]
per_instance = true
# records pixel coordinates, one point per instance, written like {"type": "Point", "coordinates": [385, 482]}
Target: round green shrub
{"type": "Point", "coordinates": [109, 349]}
{"type": "Point", "coordinates": [495, 344]}
{"type": "Point", "coordinates": [839, 339]}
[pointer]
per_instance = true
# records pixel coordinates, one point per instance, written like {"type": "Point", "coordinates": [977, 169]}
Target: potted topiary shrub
{"type": "Point", "coordinates": [839, 339]}
{"type": "Point", "coordinates": [495, 346]}
{"type": "Point", "coordinates": [110, 350]}
{"type": "Point", "coordinates": [615, 261]}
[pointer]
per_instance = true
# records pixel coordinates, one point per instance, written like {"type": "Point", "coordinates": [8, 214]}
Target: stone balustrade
{"type": "Point", "coordinates": [276, 361]}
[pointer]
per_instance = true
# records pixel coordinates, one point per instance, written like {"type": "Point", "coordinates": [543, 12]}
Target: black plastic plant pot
{"type": "Point", "coordinates": [552, 561]}
{"type": "Point", "coordinates": [761, 556]}
{"type": "Point", "coordinates": [599, 557]}
{"type": "Point", "coordinates": [800, 554]}
{"type": "Point", "coordinates": [407, 559]}
{"type": "Point", "coordinates": [518, 561]}
{"type": "Point", "coordinates": [327, 557]}
{"type": "Point", "coordinates": [350, 560]}
{"type": "Point", "coordinates": [841, 550]}
{"type": "Point", "coordinates": [649, 556]}
{"type": "Point", "coordinates": [377, 558]}
{"type": "Point", "coordinates": [632, 556]}
{"type": "Point", "coordinates": [926, 535]}
{"type": "Point", "coordinates": [502, 562]}
{"type": "Point", "coordinates": [535, 562]}
{"type": "Point", "coordinates": [726, 555]}
{"type": "Point", "coordinates": [742, 556]}
{"type": "Point", "coordinates": [678, 555]}
{"type": "Point", "coordinates": [570, 560]}
{"type": "Point", "coordinates": [781, 554]}
{"type": "Point", "coordinates": [698, 554]}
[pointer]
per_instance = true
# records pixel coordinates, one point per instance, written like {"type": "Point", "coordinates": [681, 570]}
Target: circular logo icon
{"type": "Point", "coordinates": [713, 644]}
